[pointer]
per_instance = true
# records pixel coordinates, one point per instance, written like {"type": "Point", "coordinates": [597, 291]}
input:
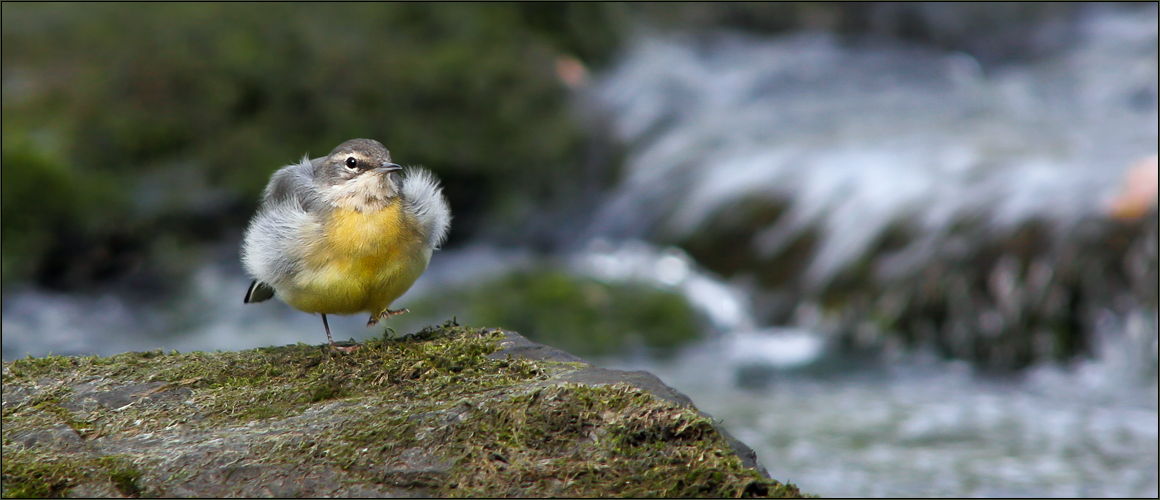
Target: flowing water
{"type": "Point", "coordinates": [857, 138]}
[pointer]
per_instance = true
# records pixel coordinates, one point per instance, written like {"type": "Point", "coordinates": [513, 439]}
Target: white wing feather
{"type": "Point", "coordinates": [421, 190]}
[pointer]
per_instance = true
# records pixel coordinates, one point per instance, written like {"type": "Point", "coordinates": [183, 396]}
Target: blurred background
{"type": "Point", "coordinates": [899, 249]}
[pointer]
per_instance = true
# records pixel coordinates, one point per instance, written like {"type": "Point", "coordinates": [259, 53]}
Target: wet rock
{"type": "Point", "coordinates": [1003, 300]}
{"type": "Point", "coordinates": [445, 411]}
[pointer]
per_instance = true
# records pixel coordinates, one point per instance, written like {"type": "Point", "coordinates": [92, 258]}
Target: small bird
{"type": "Point", "coordinates": [344, 233]}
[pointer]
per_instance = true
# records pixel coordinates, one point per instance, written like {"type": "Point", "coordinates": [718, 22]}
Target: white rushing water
{"type": "Point", "coordinates": [854, 140]}
{"type": "Point", "coordinates": [857, 139]}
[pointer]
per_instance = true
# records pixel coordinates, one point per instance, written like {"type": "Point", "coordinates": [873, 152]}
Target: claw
{"type": "Point", "coordinates": [346, 349]}
{"type": "Point", "coordinates": [384, 315]}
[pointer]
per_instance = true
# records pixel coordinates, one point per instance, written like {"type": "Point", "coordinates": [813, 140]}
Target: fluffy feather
{"type": "Point", "coordinates": [422, 192]}
{"type": "Point", "coordinates": [268, 250]}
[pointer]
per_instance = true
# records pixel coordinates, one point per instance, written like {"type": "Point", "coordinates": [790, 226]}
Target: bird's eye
{"type": "Point", "coordinates": [351, 162]}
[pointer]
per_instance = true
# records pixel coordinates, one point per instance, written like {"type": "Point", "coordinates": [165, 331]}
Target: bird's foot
{"type": "Point", "coordinates": [384, 315]}
{"type": "Point", "coordinates": [346, 349]}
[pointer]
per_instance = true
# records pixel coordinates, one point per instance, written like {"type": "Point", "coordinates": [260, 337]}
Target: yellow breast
{"type": "Point", "coordinates": [362, 262]}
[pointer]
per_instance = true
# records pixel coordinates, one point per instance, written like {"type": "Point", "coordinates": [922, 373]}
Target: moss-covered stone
{"type": "Point", "coordinates": [448, 411]}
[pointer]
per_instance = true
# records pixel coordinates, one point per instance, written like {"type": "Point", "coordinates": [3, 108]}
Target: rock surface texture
{"type": "Point", "coordinates": [448, 411]}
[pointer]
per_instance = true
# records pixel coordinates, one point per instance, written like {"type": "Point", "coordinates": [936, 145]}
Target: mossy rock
{"type": "Point", "coordinates": [447, 411]}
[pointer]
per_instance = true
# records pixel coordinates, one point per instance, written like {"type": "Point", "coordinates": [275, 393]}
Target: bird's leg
{"type": "Point", "coordinates": [384, 315]}
{"type": "Point", "coordinates": [332, 344]}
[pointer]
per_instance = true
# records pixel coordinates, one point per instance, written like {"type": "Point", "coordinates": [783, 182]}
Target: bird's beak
{"type": "Point", "coordinates": [389, 167]}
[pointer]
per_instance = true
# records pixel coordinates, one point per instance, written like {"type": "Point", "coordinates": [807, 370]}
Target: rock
{"type": "Point", "coordinates": [448, 411]}
{"type": "Point", "coordinates": [1001, 299]}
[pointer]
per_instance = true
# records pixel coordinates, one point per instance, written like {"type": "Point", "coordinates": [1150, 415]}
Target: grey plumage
{"type": "Point", "coordinates": [270, 249]}
{"type": "Point", "coordinates": [295, 180]}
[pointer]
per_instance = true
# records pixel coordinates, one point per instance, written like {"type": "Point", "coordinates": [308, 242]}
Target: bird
{"type": "Point", "coordinates": [346, 233]}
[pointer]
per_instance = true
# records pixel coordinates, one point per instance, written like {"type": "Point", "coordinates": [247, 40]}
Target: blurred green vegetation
{"type": "Point", "coordinates": [583, 316]}
{"type": "Point", "coordinates": [164, 121]}
{"type": "Point", "coordinates": [135, 133]}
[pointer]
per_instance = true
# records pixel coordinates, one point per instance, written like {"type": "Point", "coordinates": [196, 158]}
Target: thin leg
{"type": "Point", "coordinates": [332, 344]}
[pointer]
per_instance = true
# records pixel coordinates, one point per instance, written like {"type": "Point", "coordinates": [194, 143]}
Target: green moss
{"type": "Point", "coordinates": [482, 426]}
{"type": "Point", "coordinates": [122, 473]}
{"type": "Point", "coordinates": [581, 441]}
{"type": "Point", "coordinates": [30, 473]}
{"type": "Point", "coordinates": [279, 381]}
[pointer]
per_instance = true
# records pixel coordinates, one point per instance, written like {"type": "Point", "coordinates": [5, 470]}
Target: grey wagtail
{"type": "Point", "coordinates": [344, 233]}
